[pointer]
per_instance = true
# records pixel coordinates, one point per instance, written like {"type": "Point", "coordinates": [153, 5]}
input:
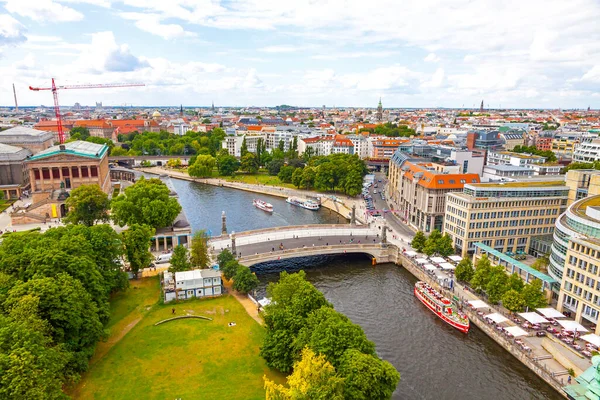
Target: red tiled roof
{"type": "Point", "coordinates": [433, 180]}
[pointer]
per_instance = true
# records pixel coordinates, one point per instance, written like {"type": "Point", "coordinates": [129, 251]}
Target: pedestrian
{"type": "Point", "coordinates": [173, 311]}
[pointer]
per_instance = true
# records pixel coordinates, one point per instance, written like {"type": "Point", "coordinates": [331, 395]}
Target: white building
{"type": "Point", "coordinates": [587, 152]}
{"type": "Point", "coordinates": [190, 284]}
{"type": "Point", "coordinates": [233, 144]}
{"type": "Point", "coordinates": [510, 158]}
{"type": "Point", "coordinates": [361, 145]}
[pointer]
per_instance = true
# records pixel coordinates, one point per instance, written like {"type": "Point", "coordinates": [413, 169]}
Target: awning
{"type": "Point", "coordinates": [447, 266]}
{"type": "Point", "coordinates": [438, 260]}
{"type": "Point", "coordinates": [429, 267]}
{"type": "Point", "coordinates": [410, 253]}
{"type": "Point", "coordinates": [516, 331]}
{"type": "Point", "coordinates": [455, 258]}
{"type": "Point", "coordinates": [550, 312]}
{"type": "Point", "coordinates": [593, 339]}
{"type": "Point", "coordinates": [421, 261]}
{"type": "Point", "coordinates": [534, 318]}
{"type": "Point", "coordinates": [496, 317]}
{"type": "Point", "coordinates": [478, 304]}
{"type": "Point", "coordinates": [572, 326]}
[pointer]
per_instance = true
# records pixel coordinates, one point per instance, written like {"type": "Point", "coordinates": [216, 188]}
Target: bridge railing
{"type": "Point", "coordinates": [291, 228]}
{"type": "Point", "coordinates": [340, 249]}
{"type": "Point", "coordinates": [274, 236]}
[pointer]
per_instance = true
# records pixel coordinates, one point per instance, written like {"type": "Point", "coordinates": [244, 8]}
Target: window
{"type": "Point", "coordinates": [36, 173]}
{"type": "Point", "coordinates": [440, 181]}
{"type": "Point", "coordinates": [75, 172]}
{"type": "Point", "coordinates": [94, 171]}
{"type": "Point", "coordinates": [463, 181]}
{"type": "Point", "coordinates": [55, 173]}
{"type": "Point", "coordinates": [452, 181]}
{"type": "Point", "coordinates": [46, 173]}
{"type": "Point", "coordinates": [474, 180]}
{"type": "Point", "coordinates": [84, 172]}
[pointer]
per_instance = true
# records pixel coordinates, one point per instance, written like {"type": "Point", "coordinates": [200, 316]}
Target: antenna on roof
{"type": "Point", "coordinates": [16, 104]}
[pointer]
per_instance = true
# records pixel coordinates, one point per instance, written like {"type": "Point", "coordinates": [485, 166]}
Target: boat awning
{"type": "Point", "coordinates": [534, 318]}
{"type": "Point", "coordinates": [410, 253]}
{"type": "Point", "coordinates": [438, 260]}
{"type": "Point", "coordinates": [496, 317]}
{"type": "Point", "coordinates": [550, 312]}
{"type": "Point", "coordinates": [429, 267]}
{"type": "Point", "coordinates": [478, 304]}
{"type": "Point", "coordinates": [572, 326]}
{"type": "Point", "coordinates": [593, 339]}
{"type": "Point", "coordinates": [447, 266]}
{"type": "Point", "coordinates": [516, 331]}
{"type": "Point", "coordinates": [421, 261]}
{"type": "Point", "coordinates": [455, 258]}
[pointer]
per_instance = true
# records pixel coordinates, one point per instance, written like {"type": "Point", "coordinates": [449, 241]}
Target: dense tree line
{"type": "Point", "coordinates": [165, 143]}
{"type": "Point", "coordinates": [434, 244]}
{"type": "Point", "coordinates": [499, 286]}
{"type": "Point", "coordinates": [582, 165]}
{"type": "Point", "coordinates": [305, 333]}
{"type": "Point", "coordinates": [391, 130]}
{"type": "Point", "coordinates": [550, 156]}
{"type": "Point", "coordinates": [244, 281]}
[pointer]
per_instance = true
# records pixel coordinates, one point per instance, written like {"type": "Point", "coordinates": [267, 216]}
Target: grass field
{"type": "Point", "coordinates": [188, 359]}
{"type": "Point", "coordinates": [260, 179]}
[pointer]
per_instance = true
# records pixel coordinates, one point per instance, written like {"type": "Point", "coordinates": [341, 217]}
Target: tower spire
{"type": "Point", "coordinates": [181, 111]}
{"type": "Point", "coordinates": [481, 106]}
{"type": "Point", "coordinates": [379, 111]}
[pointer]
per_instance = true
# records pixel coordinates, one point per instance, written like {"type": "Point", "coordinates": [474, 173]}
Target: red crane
{"type": "Point", "coordinates": [54, 89]}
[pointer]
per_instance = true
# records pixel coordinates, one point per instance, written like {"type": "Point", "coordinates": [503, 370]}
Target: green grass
{"type": "Point", "coordinates": [4, 204]}
{"type": "Point", "coordinates": [257, 179]}
{"type": "Point", "coordinates": [133, 302]}
{"type": "Point", "coordinates": [188, 359]}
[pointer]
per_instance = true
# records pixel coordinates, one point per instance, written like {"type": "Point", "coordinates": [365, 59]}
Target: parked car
{"type": "Point", "coordinates": [163, 258]}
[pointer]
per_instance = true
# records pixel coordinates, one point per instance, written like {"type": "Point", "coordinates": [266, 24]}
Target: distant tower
{"type": "Point", "coordinates": [18, 107]}
{"type": "Point", "coordinates": [213, 107]}
{"type": "Point", "coordinates": [17, 104]}
{"type": "Point", "coordinates": [481, 106]}
{"type": "Point", "coordinates": [181, 111]}
{"type": "Point", "coordinates": [379, 111]}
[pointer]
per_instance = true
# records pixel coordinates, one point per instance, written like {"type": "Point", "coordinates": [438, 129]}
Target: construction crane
{"type": "Point", "coordinates": [55, 89]}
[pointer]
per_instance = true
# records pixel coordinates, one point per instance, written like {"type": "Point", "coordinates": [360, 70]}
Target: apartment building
{"type": "Point", "coordinates": [576, 250]}
{"type": "Point", "coordinates": [361, 145]}
{"type": "Point", "coordinates": [233, 144]}
{"type": "Point", "coordinates": [384, 148]}
{"type": "Point", "coordinates": [582, 183]}
{"type": "Point", "coordinates": [543, 143]}
{"type": "Point", "coordinates": [587, 152]}
{"type": "Point", "coordinates": [418, 189]}
{"type": "Point", "coordinates": [504, 216]}
{"type": "Point", "coordinates": [510, 158]}
{"type": "Point", "coordinates": [564, 146]}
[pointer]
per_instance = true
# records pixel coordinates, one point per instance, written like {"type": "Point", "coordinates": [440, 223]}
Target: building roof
{"type": "Point", "coordinates": [13, 153]}
{"type": "Point", "coordinates": [196, 274]}
{"type": "Point", "coordinates": [78, 148]}
{"type": "Point", "coordinates": [526, 184]}
{"type": "Point", "coordinates": [437, 180]}
{"type": "Point", "coordinates": [21, 134]}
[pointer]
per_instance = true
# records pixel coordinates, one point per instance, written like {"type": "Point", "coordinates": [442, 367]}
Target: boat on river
{"type": "Point", "coordinates": [308, 204]}
{"type": "Point", "coordinates": [263, 205]}
{"type": "Point", "coordinates": [441, 306]}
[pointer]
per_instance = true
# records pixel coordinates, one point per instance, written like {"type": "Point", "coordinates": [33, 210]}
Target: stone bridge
{"type": "Point", "coordinates": [136, 161]}
{"type": "Point", "coordinates": [281, 243]}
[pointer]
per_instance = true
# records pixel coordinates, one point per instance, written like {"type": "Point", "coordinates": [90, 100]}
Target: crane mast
{"type": "Point", "coordinates": [55, 89]}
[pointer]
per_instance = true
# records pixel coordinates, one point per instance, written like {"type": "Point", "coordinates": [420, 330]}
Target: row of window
{"type": "Point", "coordinates": [585, 250]}
{"type": "Point", "coordinates": [67, 172]}
{"type": "Point", "coordinates": [523, 203]}
{"type": "Point", "coordinates": [515, 213]}
{"type": "Point", "coordinates": [510, 232]}
{"type": "Point", "coordinates": [514, 222]}
{"type": "Point", "coordinates": [583, 265]}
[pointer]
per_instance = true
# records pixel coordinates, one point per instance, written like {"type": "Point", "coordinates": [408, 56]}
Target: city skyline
{"type": "Point", "coordinates": [342, 53]}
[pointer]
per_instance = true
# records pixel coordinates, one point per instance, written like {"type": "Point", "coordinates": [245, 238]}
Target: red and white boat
{"type": "Point", "coordinates": [441, 306]}
{"type": "Point", "coordinates": [263, 205]}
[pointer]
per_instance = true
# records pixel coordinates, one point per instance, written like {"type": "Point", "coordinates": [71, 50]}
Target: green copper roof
{"type": "Point", "coordinates": [76, 148]}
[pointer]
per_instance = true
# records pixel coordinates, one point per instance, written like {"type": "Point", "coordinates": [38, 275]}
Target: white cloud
{"type": "Point", "coordinates": [437, 79]}
{"type": "Point", "coordinates": [151, 23]}
{"type": "Point", "coordinates": [354, 54]}
{"type": "Point", "coordinates": [280, 49]}
{"type": "Point", "coordinates": [43, 10]}
{"type": "Point", "coordinates": [11, 31]}
{"type": "Point", "coordinates": [431, 57]}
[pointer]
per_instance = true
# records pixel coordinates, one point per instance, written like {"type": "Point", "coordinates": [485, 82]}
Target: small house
{"type": "Point", "coordinates": [189, 284]}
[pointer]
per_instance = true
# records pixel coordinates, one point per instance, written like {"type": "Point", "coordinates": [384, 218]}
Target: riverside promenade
{"type": "Point", "coordinates": [340, 204]}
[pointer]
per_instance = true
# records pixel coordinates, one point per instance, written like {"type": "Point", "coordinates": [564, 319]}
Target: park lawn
{"type": "Point", "coordinates": [258, 179]}
{"type": "Point", "coordinates": [188, 359]}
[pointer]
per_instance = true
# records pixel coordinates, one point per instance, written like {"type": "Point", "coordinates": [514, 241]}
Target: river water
{"type": "Point", "coordinates": [434, 360]}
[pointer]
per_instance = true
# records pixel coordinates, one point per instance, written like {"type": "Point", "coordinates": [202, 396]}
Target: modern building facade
{"type": "Point", "coordinates": [504, 216]}
{"type": "Point", "coordinates": [575, 260]}
{"type": "Point", "coordinates": [510, 158]}
{"type": "Point", "coordinates": [582, 183]}
{"type": "Point", "coordinates": [587, 152]}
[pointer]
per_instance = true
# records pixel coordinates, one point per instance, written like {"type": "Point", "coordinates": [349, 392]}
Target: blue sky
{"type": "Point", "coordinates": [422, 53]}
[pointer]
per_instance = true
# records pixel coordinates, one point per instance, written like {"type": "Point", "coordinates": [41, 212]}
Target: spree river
{"type": "Point", "coordinates": [435, 361]}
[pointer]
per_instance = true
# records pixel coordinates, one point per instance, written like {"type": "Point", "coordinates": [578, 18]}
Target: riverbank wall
{"type": "Point", "coordinates": [489, 330]}
{"type": "Point", "coordinates": [343, 208]}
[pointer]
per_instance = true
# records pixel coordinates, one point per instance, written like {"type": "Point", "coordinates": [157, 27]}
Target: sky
{"type": "Point", "coordinates": [421, 53]}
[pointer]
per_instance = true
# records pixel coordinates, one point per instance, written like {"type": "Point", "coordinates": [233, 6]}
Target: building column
{"type": "Point", "coordinates": [165, 243]}
{"type": "Point", "coordinates": [579, 311]}
{"type": "Point", "coordinates": [32, 179]}
{"type": "Point", "coordinates": [561, 300]}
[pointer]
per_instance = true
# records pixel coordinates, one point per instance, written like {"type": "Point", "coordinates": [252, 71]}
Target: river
{"type": "Point", "coordinates": [434, 360]}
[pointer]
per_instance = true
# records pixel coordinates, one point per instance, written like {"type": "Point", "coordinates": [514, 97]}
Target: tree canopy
{"type": "Point", "coordinates": [199, 250]}
{"type": "Point", "coordinates": [136, 241]}
{"type": "Point", "coordinates": [180, 260]}
{"type": "Point", "coordinates": [203, 166]}
{"type": "Point", "coordinates": [244, 281]}
{"type": "Point", "coordinates": [146, 202]}
{"type": "Point", "coordinates": [87, 204]}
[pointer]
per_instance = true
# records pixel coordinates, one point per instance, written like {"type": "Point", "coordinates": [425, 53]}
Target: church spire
{"type": "Point", "coordinates": [379, 111]}
{"type": "Point", "coordinates": [181, 111]}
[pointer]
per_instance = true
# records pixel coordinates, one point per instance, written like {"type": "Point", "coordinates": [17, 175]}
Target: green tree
{"type": "Point", "coordinates": [203, 166]}
{"type": "Point", "coordinates": [481, 276]}
{"type": "Point", "coordinates": [227, 165]}
{"type": "Point", "coordinates": [308, 154]}
{"type": "Point", "coordinates": [87, 204]}
{"type": "Point", "coordinates": [244, 148]}
{"type": "Point", "coordinates": [464, 270]}
{"type": "Point", "coordinates": [313, 378]}
{"type": "Point", "coordinates": [326, 177]}
{"type": "Point", "coordinates": [285, 173]}
{"type": "Point", "coordinates": [69, 310]}
{"type": "Point", "coordinates": [533, 295]}
{"type": "Point", "coordinates": [180, 260]}
{"type": "Point", "coordinates": [293, 298]}
{"type": "Point", "coordinates": [497, 284]}
{"type": "Point", "coordinates": [297, 177]}
{"type": "Point", "coordinates": [146, 202]}
{"type": "Point", "coordinates": [418, 242]}
{"type": "Point", "coordinates": [353, 182]}
{"type": "Point", "coordinates": [331, 333]}
{"type": "Point", "coordinates": [229, 268]}
{"type": "Point", "coordinates": [118, 151]}
{"type": "Point", "coordinates": [445, 246]}
{"type": "Point", "coordinates": [224, 256]}
{"type": "Point", "coordinates": [249, 163]}
{"type": "Point", "coordinates": [274, 166]}
{"type": "Point", "coordinates": [244, 281]}
{"type": "Point", "coordinates": [541, 264]}
{"type": "Point", "coordinates": [515, 282]}
{"type": "Point", "coordinates": [79, 133]}
{"type": "Point", "coordinates": [136, 242]}
{"type": "Point", "coordinates": [308, 177]}
{"type": "Point", "coordinates": [281, 146]}
{"type": "Point", "coordinates": [513, 301]}
{"type": "Point", "coordinates": [367, 377]}
{"type": "Point", "coordinates": [199, 250]}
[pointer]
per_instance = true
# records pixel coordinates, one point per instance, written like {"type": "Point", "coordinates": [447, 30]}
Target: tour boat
{"type": "Point", "coordinates": [441, 306]}
{"type": "Point", "coordinates": [263, 205]}
{"type": "Point", "coordinates": [308, 204]}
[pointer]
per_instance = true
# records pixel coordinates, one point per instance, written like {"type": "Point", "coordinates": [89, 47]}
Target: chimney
{"type": "Point", "coordinates": [62, 147]}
